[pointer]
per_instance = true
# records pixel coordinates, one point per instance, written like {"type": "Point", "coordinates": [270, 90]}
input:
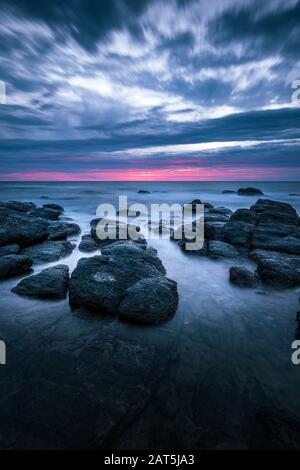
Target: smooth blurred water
{"type": "Point", "coordinates": [75, 379]}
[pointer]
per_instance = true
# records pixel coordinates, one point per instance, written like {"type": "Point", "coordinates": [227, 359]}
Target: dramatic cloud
{"type": "Point", "coordinates": [149, 89]}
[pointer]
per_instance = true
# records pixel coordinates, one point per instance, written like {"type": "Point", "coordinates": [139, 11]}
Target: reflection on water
{"type": "Point", "coordinates": [194, 382]}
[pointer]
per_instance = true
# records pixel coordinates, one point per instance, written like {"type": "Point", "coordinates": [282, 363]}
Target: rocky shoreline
{"type": "Point", "coordinates": [128, 279]}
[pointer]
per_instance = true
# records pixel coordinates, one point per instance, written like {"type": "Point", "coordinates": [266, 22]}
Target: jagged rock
{"type": "Point", "coordinates": [278, 273]}
{"type": "Point", "coordinates": [44, 213]}
{"type": "Point", "coordinates": [88, 244]}
{"type": "Point", "coordinates": [56, 207]}
{"type": "Point", "coordinates": [243, 277]}
{"type": "Point", "coordinates": [244, 215]}
{"type": "Point", "coordinates": [61, 230]}
{"type": "Point", "coordinates": [21, 229]}
{"type": "Point", "coordinates": [151, 300]}
{"type": "Point", "coordinates": [101, 282]}
{"type": "Point", "coordinates": [13, 265]}
{"type": "Point", "coordinates": [219, 249]}
{"type": "Point", "coordinates": [249, 191]}
{"type": "Point", "coordinates": [9, 250]}
{"type": "Point", "coordinates": [214, 230]}
{"type": "Point", "coordinates": [238, 233]}
{"type": "Point", "coordinates": [48, 251]}
{"type": "Point", "coordinates": [51, 283]}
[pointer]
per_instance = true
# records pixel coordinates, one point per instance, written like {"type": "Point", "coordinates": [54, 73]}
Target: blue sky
{"type": "Point", "coordinates": [154, 90]}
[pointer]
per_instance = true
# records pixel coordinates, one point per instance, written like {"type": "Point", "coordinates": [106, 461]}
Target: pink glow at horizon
{"type": "Point", "coordinates": [156, 174]}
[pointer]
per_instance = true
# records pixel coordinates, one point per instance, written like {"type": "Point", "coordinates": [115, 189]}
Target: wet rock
{"type": "Point", "coordinates": [244, 215]}
{"type": "Point", "coordinates": [9, 250]}
{"type": "Point", "coordinates": [144, 191]}
{"type": "Point", "coordinates": [278, 273]}
{"type": "Point", "coordinates": [197, 202]}
{"type": "Point", "coordinates": [217, 214]}
{"type": "Point", "coordinates": [51, 283]}
{"type": "Point", "coordinates": [13, 265]}
{"type": "Point", "coordinates": [44, 213]}
{"type": "Point", "coordinates": [269, 211]}
{"type": "Point", "coordinates": [21, 229]}
{"type": "Point", "coordinates": [203, 251]}
{"type": "Point", "coordinates": [18, 206]}
{"type": "Point", "coordinates": [292, 260]}
{"type": "Point", "coordinates": [238, 233]}
{"type": "Point", "coordinates": [101, 282]}
{"type": "Point", "coordinates": [243, 277]}
{"type": "Point", "coordinates": [62, 230]}
{"type": "Point", "coordinates": [48, 251]}
{"type": "Point", "coordinates": [151, 300]}
{"type": "Point", "coordinates": [276, 428]}
{"type": "Point", "coordinates": [88, 244]}
{"type": "Point", "coordinates": [221, 211]}
{"type": "Point", "coordinates": [214, 230]}
{"type": "Point", "coordinates": [119, 231]}
{"type": "Point", "coordinates": [218, 249]}
{"type": "Point", "coordinates": [56, 207]}
{"type": "Point", "coordinates": [250, 191]}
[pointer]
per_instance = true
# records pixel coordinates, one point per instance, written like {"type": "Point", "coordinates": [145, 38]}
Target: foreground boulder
{"type": "Point", "coordinates": [48, 251]}
{"type": "Point", "coordinates": [45, 213]}
{"type": "Point", "coordinates": [13, 265]}
{"type": "Point", "coordinates": [21, 229]}
{"type": "Point", "coordinates": [218, 249]}
{"type": "Point", "coordinates": [151, 300]}
{"type": "Point", "coordinates": [62, 230]}
{"type": "Point", "coordinates": [243, 277]}
{"type": "Point", "coordinates": [18, 206]}
{"type": "Point", "coordinates": [103, 282]}
{"type": "Point", "coordinates": [51, 283]}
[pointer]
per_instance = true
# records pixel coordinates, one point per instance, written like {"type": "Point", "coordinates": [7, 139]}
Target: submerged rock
{"type": "Point", "coordinates": [151, 300]}
{"type": "Point", "coordinates": [219, 249]}
{"type": "Point", "coordinates": [144, 191]}
{"type": "Point", "coordinates": [62, 230]}
{"type": "Point", "coordinates": [48, 251]}
{"type": "Point", "coordinates": [250, 191]}
{"type": "Point", "coordinates": [51, 283]}
{"type": "Point", "coordinates": [228, 191]}
{"type": "Point", "coordinates": [88, 244]}
{"type": "Point", "coordinates": [243, 277]}
{"type": "Point", "coordinates": [101, 282]}
{"type": "Point", "coordinates": [13, 265]}
{"type": "Point", "coordinates": [9, 249]}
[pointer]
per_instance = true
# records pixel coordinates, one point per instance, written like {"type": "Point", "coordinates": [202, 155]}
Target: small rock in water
{"type": "Point", "coordinates": [51, 283]}
{"type": "Point", "coordinates": [228, 191]}
{"type": "Point", "coordinates": [144, 191]}
{"type": "Point", "coordinates": [56, 207]}
{"type": "Point", "coordinates": [249, 191]}
{"type": "Point", "coordinates": [88, 244]}
{"type": "Point", "coordinates": [13, 265]}
{"type": "Point", "coordinates": [243, 277]}
{"type": "Point", "coordinates": [62, 230]}
{"type": "Point", "coordinates": [48, 251]}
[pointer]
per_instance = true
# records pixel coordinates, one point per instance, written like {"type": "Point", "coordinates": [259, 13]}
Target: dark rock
{"type": "Point", "coordinates": [243, 277]}
{"type": "Point", "coordinates": [121, 228]}
{"type": "Point", "coordinates": [214, 230]}
{"type": "Point", "coordinates": [203, 251]}
{"type": "Point", "coordinates": [218, 249]}
{"type": "Point", "coordinates": [228, 191]}
{"type": "Point", "coordinates": [62, 230]}
{"type": "Point", "coordinates": [292, 260]}
{"type": "Point", "coordinates": [244, 215]}
{"type": "Point", "coordinates": [298, 317]}
{"type": "Point", "coordinates": [21, 229]}
{"type": "Point", "coordinates": [283, 210]}
{"type": "Point", "coordinates": [9, 250]}
{"type": "Point", "coordinates": [220, 211]}
{"type": "Point", "coordinates": [276, 428]}
{"type": "Point", "coordinates": [43, 213]}
{"type": "Point", "coordinates": [51, 283]}
{"type": "Point", "coordinates": [151, 300]}
{"type": "Point", "coordinates": [18, 206]}
{"type": "Point", "coordinates": [238, 233]}
{"type": "Point", "coordinates": [249, 191]}
{"type": "Point", "coordinates": [56, 207]}
{"type": "Point", "coordinates": [88, 244]}
{"type": "Point", "coordinates": [13, 265]}
{"type": "Point", "coordinates": [196, 202]}
{"type": "Point", "coordinates": [144, 191]}
{"type": "Point", "coordinates": [278, 273]}
{"type": "Point", "coordinates": [48, 251]}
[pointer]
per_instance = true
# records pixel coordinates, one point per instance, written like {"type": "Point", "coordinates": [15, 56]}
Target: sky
{"type": "Point", "coordinates": [172, 90]}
